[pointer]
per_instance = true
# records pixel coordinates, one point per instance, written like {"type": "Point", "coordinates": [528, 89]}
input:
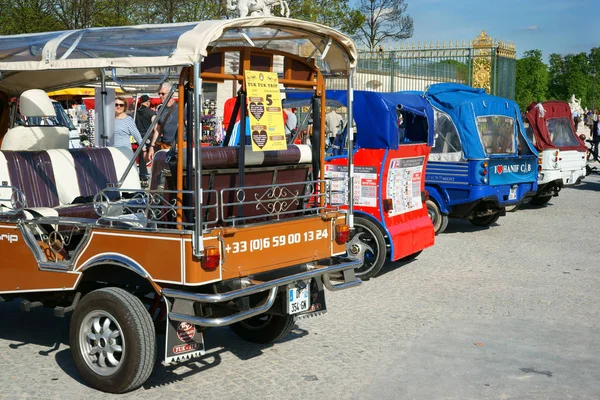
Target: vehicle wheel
{"type": "Point", "coordinates": [265, 328]}
{"type": "Point", "coordinates": [440, 221]}
{"type": "Point", "coordinates": [485, 221]}
{"type": "Point", "coordinates": [411, 256]}
{"type": "Point", "coordinates": [540, 201]}
{"type": "Point", "coordinates": [113, 341]}
{"type": "Point", "coordinates": [588, 170]}
{"type": "Point", "coordinates": [367, 242]}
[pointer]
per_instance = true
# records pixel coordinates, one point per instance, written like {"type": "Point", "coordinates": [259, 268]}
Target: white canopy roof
{"type": "Point", "coordinates": [39, 60]}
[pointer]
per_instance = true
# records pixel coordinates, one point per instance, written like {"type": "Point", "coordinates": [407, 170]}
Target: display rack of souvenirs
{"type": "Point", "coordinates": [212, 126]}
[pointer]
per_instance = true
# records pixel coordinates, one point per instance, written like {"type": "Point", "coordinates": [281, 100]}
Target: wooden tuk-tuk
{"type": "Point", "coordinates": [239, 236]}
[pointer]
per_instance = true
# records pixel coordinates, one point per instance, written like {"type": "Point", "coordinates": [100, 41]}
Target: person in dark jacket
{"type": "Point", "coordinates": [143, 119]}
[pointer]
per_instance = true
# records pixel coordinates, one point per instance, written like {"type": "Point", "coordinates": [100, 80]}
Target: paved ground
{"type": "Point", "coordinates": [499, 313]}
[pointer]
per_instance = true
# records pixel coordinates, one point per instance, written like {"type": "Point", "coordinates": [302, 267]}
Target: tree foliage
{"type": "Point", "coordinates": [531, 79]}
{"type": "Point", "coordinates": [26, 16]}
{"type": "Point", "coordinates": [384, 20]}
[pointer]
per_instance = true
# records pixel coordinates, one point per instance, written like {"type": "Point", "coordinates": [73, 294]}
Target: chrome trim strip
{"type": "Point", "coordinates": [115, 259]}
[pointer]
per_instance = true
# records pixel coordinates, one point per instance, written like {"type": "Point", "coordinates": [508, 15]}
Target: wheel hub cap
{"type": "Point", "coordinates": [101, 343]}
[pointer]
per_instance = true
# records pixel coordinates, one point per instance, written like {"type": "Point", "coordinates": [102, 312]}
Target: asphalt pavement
{"type": "Point", "coordinates": [505, 312]}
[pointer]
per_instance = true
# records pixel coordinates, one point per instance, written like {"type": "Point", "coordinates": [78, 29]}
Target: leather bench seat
{"type": "Point", "coordinates": [64, 180]}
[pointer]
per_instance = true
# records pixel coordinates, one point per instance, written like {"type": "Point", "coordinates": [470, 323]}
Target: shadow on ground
{"type": "Point", "coordinates": [458, 225]}
{"type": "Point", "coordinates": [40, 327]}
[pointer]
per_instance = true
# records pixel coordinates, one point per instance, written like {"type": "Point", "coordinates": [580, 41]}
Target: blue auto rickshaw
{"type": "Point", "coordinates": [481, 161]}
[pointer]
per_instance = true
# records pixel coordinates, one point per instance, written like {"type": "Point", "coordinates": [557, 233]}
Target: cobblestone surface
{"type": "Point", "coordinates": [499, 313]}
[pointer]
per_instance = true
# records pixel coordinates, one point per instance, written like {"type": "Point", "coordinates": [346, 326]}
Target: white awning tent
{"type": "Point", "coordinates": [41, 60]}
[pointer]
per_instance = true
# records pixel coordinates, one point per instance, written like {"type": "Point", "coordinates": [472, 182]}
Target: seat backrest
{"type": "Point", "coordinates": [57, 177]}
{"type": "Point", "coordinates": [36, 103]}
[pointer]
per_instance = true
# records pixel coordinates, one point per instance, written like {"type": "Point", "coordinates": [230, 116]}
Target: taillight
{"type": "Point", "coordinates": [211, 258]}
{"type": "Point", "coordinates": [483, 171]}
{"type": "Point", "coordinates": [342, 234]}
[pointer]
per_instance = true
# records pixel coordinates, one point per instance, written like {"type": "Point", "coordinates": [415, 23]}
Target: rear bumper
{"type": "Point", "coordinates": [486, 200]}
{"type": "Point", "coordinates": [337, 276]}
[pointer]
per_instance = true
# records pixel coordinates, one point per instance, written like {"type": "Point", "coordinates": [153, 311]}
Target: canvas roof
{"type": "Point", "coordinates": [377, 120]}
{"type": "Point", "coordinates": [537, 120]}
{"type": "Point", "coordinates": [39, 60]}
{"type": "Point", "coordinates": [464, 104]}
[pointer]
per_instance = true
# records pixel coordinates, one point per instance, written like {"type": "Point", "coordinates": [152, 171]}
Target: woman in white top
{"type": "Point", "coordinates": [124, 126]}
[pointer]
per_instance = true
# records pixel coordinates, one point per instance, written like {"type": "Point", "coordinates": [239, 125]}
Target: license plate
{"type": "Point", "coordinates": [298, 299]}
{"type": "Point", "coordinates": [513, 193]}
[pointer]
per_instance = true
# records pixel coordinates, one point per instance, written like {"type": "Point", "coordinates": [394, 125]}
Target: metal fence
{"type": "Point", "coordinates": [483, 63]}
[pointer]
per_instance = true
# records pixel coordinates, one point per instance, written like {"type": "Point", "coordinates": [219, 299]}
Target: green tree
{"type": "Point", "coordinates": [384, 20]}
{"type": "Point", "coordinates": [27, 16]}
{"type": "Point", "coordinates": [336, 13]}
{"type": "Point", "coordinates": [557, 89]}
{"type": "Point", "coordinates": [531, 82]}
{"type": "Point", "coordinates": [593, 96]}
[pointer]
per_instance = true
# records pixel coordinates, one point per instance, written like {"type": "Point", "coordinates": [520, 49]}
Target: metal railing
{"type": "Point", "coordinates": [152, 208]}
{"type": "Point", "coordinates": [275, 201]}
{"type": "Point", "coordinates": [483, 63]}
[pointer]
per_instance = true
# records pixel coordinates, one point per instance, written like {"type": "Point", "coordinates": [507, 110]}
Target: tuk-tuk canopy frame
{"type": "Point", "coordinates": [39, 60]}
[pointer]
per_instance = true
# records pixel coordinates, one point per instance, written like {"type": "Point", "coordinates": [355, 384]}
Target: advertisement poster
{"type": "Point", "coordinates": [265, 111]}
{"type": "Point", "coordinates": [404, 184]}
{"type": "Point", "coordinates": [365, 184]}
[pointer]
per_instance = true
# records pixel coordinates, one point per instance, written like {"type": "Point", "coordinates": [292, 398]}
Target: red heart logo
{"type": "Point", "coordinates": [499, 169]}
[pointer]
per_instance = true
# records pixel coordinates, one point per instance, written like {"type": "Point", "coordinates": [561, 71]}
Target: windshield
{"type": "Point", "coordinates": [497, 133]}
{"type": "Point", "coordinates": [561, 133]}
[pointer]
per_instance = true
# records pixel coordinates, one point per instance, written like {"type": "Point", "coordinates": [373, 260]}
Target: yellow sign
{"type": "Point", "coordinates": [265, 111]}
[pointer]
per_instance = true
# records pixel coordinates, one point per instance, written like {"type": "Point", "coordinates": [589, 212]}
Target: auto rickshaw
{"type": "Point", "coordinates": [481, 160]}
{"type": "Point", "coordinates": [562, 162]}
{"type": "Point", "coordinates": [394, 134]}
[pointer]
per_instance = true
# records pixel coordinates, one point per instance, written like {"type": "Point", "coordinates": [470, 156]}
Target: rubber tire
{"type": "Point", "coordinates": [485, 221]}
{"type": "Point", "coordinates": [540, 201]}
{"type": "Point", "coordinates": [276, 328]}
{"type": "Point", "coordinates": [381, 249]}
{"type": "Point", "coordinates": [137, 329]}
{"type": "Point", "coordinates": [588, 170]}
{"type": "Point", "coordinates": [440, 223]}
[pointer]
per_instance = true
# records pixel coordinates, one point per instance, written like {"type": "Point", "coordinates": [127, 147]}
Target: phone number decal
{"type": "Point", "coordinates": [276, 241]}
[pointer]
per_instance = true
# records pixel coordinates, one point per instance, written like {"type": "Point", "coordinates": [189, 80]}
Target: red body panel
{"type": "Point", "coordinates": [410, 231]}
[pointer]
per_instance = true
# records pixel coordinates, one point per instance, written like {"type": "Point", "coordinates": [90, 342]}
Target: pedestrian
{"type": "Point", "coordinates": [291, 124]}
{"type": "Point", "coordinates": [594, 126]}
{"type": "Point", "coordinates": [576, 119]}
{"type": "Point", "coordinates": [333, 124]}
{"type": "Point", "coordinates": [125, 127]}
{"type": "Point", "coordinates": [165, 130]}
{"type": "Point", "coordinates": [143, 120]}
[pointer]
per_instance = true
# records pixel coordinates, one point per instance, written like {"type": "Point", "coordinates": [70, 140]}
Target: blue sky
{"type": "Point", "coordinates": [553, 26]}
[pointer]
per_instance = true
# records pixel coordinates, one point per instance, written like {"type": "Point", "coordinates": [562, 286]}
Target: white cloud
{"type": "Point", "coordinates": [533, 28]}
